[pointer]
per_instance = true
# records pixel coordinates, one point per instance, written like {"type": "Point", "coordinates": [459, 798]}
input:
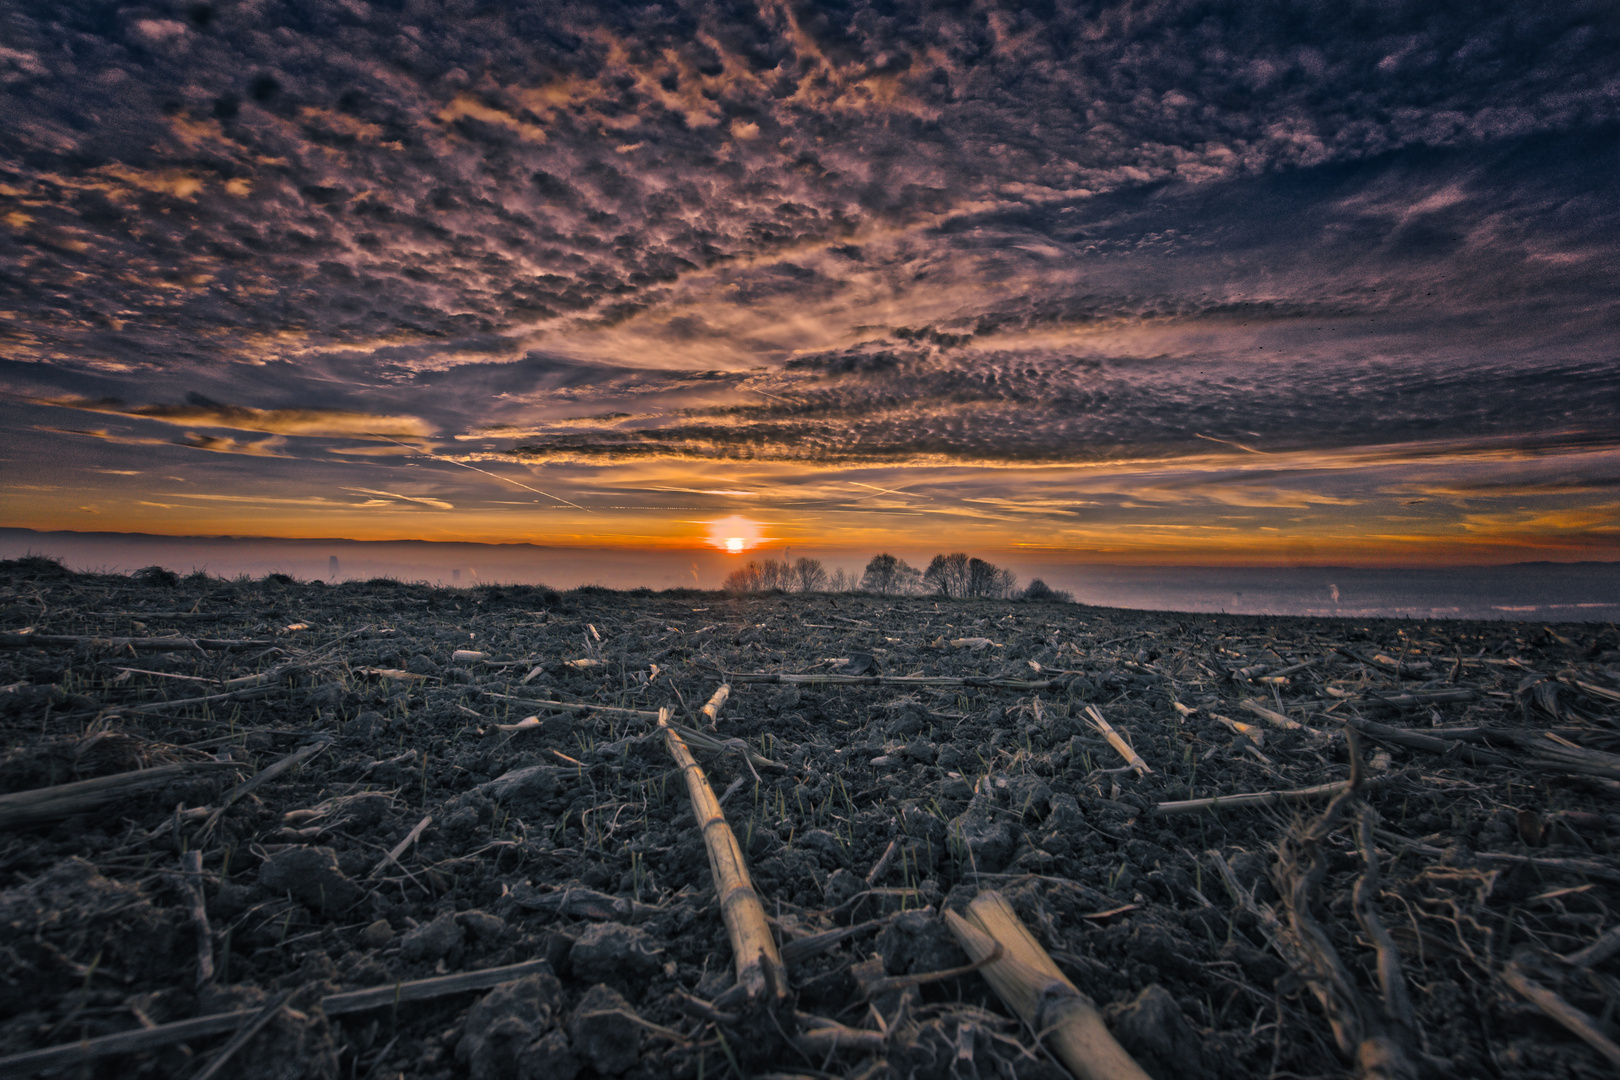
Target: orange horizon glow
{"type": "Point", "coordinates": [734, 535]}
{"type": "Point", "coordinates": [1385, 551]}
{"type": "Point", "coordinates": [1376, 506]}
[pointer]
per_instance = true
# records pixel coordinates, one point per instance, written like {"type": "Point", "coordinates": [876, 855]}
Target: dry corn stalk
{"type": "Point", "coordinates": [1117, 741]}
{"type": "Point", "coordinates": [1271, 716]}
{"type": "Point", "coordinates": [1261, 798]}
{"type": "Point", "coordinates": [711, 711]}
{"type": "Point", "coordinates": [24, 809]}
{"type": "Point", "coordinates": [888, 680]}
{"type": "Point", "coordinates": [759, 965]}
{"type": "Point", "coordinates": [1031, 985]}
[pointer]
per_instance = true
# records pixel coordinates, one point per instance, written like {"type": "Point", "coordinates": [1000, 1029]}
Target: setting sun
{"type": "Point", "coordinates": [734, 534]}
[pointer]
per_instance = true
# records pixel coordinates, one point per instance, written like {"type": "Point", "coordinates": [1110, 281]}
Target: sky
{"type": "Point", "coordinates": [1159, 282]}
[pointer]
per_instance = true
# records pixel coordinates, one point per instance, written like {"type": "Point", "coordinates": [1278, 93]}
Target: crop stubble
{"type": "Point", "coordinates": [405, 808]}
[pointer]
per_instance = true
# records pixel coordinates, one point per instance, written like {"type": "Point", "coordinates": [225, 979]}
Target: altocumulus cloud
{"type": "Point", "coordinates": [821, 235]}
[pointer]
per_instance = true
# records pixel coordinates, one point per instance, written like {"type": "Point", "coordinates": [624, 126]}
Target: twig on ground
{"type": "Point", "coordinates": [1117, 741]}
{"type": "Point", "coordinates": [820, 1037]}
{"type": "Point", "coordinates": [1261, 798]}
{"type": "Point", "coordinates": [883, 862]}
{"type": "Point", "coordinates": [191, 884]}
{"type": "Point", "coordinates": [400, 848]}
{"type": "Point", "coordinates": [1374, 1037]}
{"type": "Point", "coordinates": [1555, 1007]}
{"type": "Point", "coordinates": [1597, 952]}
{"type": "Point", "coordinates": [258, 780]}
{"type": "Point", "coordinates": [241, 1038]}
{"type": "Point", "coordinates": [1271, 716]}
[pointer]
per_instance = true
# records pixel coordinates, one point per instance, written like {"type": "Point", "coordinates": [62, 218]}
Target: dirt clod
{"type": "Point", "coordinates": [604, 1032]}
{"type": "Point", "coordinates": [504, 1022]}
{"type": "Point", "coordinates": [312, 876]}
{"type": "Point", "coordinates": [1156, 1033]}
{"type": "Point", "coordinates": [611, 951]}
{"type": "Point", "coordinates": [433, 940]}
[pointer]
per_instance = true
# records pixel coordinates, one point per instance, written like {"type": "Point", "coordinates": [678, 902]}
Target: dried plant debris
{"type": "Point", "coordinates": [380, 829]}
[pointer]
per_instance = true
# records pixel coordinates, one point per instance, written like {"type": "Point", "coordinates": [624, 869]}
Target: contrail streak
{"type": "Point", "coordinates": [885, 491]}
{"type": "Point", "coordinates": [486, 472]}
{"type": "Point", "coordinates": [1229, 442]}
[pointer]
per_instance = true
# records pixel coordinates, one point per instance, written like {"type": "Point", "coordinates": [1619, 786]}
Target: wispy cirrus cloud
{"type": "Point", "coordinates": [263, 448]}
{"type": "Point", "coordinates": [198, 411]}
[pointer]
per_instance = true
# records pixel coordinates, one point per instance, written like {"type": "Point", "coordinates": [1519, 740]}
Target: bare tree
{"type": "Point", "coordinates": [744, 578]}
{"type": "Point", "coordinates": [981, 578]}
{"type": "Point", "coordinates": [948, 575]}
{"type": "Point", "coordinates": [960, 577]}
{"type": "Point", "coordinates": [809, 575]}
{"type": "Point", "coordinates": [890, 576]}
{"type": "Point", "coordinates": [842, 581]}
{"type": "Point", "coordinates": [775, 576]}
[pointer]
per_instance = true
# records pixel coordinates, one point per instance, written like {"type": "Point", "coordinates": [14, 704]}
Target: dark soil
{"type": "Point", "coordinates": [1000, 788]}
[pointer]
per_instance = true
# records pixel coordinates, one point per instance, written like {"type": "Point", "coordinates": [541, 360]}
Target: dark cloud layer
{"type": "Point", "coordinates": [832, 235]}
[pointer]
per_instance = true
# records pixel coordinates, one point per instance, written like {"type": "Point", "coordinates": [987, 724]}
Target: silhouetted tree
{"type": "Point", "coordinates": [890, 576]}
{"type": "Point", "coordinates": [947, 575]}
{"type": "Point", "coordinates": [1040, 590]}
{"type": "Point", "coordinates": [809, 575]}
{"type": "Point", "coordinates": [982, 578]}
{"type": "Point", "coordinates": [960, 577]}
{"type": "Point", "coordinates": [744, 578]}
{"type": "Point", "coordinates": [842, 581]}
{"type": "Point", "coordinates": [774, 576]}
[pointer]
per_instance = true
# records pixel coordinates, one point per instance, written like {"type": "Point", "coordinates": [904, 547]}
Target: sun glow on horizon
{"type": "Point", "coordinates": [734, 534]}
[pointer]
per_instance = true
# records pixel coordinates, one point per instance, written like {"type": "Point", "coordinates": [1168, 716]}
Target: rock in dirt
{"type": "Point", "coordinates": [1155, 1032]}
{"type": "Point", "coordinates": [603, 1030]}
{"type": "Point", "coordinates": [611, 950]}
{"type": "Point", "coordinates": [433, 940]}
{"type": "Point", "coordinates": [312, 876]}
{"type": "Point", "coordinates": [504, 1022]}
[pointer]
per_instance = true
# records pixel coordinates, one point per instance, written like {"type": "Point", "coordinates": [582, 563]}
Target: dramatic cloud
{"type": "Point", "coordinates": [199, 411]}
{"type": "Point", "coordinates": [1072, 276]}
